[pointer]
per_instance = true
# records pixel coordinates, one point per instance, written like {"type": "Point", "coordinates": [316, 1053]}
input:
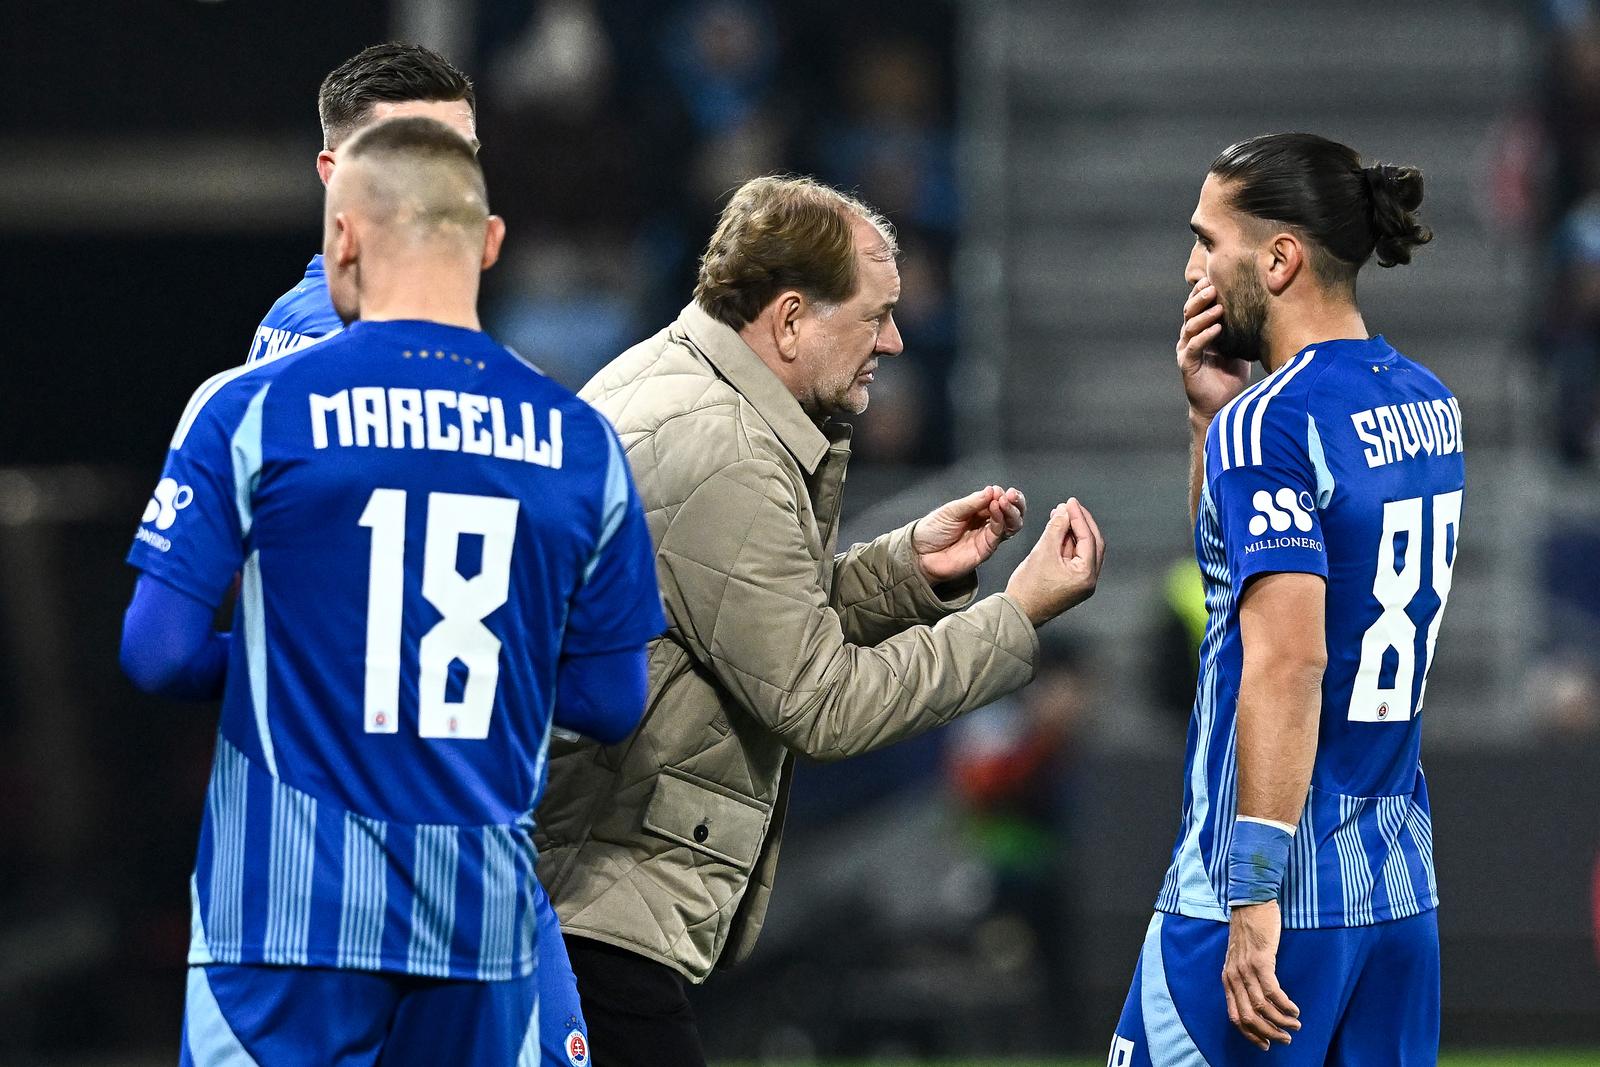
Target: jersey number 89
{"type": "Point", "coordinates": [1370, 700]}
{"type": "Point", "coordinates": [463, 604]}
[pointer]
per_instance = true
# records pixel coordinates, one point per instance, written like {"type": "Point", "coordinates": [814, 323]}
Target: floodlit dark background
{"type": "Point", "coordinates": [984, 889]}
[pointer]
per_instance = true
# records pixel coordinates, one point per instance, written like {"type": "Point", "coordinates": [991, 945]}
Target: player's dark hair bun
{"type": "Point", "coordinates": [1348, 211]}
{"type": "Point", "coordinates": [1396, 194]}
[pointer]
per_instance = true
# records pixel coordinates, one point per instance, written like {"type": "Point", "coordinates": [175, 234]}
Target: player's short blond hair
{"type": "Point", "coordinates": [423, 175]}
{"type": "Point", "coordinates": [779, 233]}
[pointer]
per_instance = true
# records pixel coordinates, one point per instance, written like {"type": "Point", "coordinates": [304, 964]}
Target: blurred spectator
{"type": "Point", "coordinates": [1572, 101]}
{"type": "Point", "coordinates": [1174, 652]}
{"type": "Point", "coordinates": [613, 130]}
{"type": "Point", "coordinates": [1566, 701]}
{"type": "Point", "coordinates": [1569, 214]}
{"type": "Point", "coordinates": [1010, 767]}
{"type": "Point", "coordinates": [1571, 332]}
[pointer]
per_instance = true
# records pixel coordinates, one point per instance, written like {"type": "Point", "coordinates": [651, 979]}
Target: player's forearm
{"type": "Point", "coordinates": [168, 646]}
{"type": "Point", "coordinates": [602, 696]}
{"type": "Point", "coordinates": [1280, 706]}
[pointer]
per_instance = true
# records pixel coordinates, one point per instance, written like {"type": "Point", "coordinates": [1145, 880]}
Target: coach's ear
{"type": "Point", "coordinates": [494, 235]}
{"type": "Point", "coordinates": [325, 165]}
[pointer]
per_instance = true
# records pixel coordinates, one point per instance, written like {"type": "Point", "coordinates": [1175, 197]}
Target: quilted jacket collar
{"type": "Point", "coordinates": [754, 380]}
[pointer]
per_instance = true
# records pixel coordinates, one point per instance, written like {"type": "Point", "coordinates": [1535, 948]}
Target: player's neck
{"type": "Point", "coordinates": [1296, 333]}
{"type": "Point", "coordinates": [424, 297]}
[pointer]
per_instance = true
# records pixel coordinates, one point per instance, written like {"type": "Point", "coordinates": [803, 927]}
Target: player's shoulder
{"type": "Point", "coordinates": [300, 316]}
{"type": "Point", "coordinates": [1268, 417]}
{"type": "Point", "coordinates": [1420, 375]}
{"type": "Point", "coordinates": [227, 395]}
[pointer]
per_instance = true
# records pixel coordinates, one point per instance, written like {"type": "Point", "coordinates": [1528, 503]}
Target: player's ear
{"type": "Point", "coordinates": [325, 165]}
{"type": "Point", "coordinates": [494, 236]}
{"type": "Point", "coordinates": [1285, 256]}
{"type": "Point", "coordinates": [786, 312]}
{"type": "Point", "coordinates": [345, 248]}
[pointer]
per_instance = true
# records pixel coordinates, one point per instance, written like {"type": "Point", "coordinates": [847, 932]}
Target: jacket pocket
{"type": "Point", "coordinates": [706, 817]}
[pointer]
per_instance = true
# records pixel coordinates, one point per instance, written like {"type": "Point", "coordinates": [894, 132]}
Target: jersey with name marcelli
{"type": "Point", "coordinates": [423, 524]}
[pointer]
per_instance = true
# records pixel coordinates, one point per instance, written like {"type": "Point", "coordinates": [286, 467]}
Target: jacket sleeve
{"type": "Point", "coordinates": [878, 590]}
{"type": "Point", "coordinates": [741, 589]}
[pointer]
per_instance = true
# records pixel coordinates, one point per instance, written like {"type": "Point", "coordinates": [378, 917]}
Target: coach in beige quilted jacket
{"type": "Point", "coordinates": [664, 846]}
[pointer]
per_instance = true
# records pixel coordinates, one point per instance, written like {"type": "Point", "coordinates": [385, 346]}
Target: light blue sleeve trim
{"type": "Point", "coordinates": [1319, 462]}
{"type": "Point", "coordinates": [246, 451]}
{"type": "Point", "coordinates": [615, 507]}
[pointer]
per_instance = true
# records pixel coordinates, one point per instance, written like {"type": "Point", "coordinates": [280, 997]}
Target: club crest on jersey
{"type": "Point", "coordinates": [577, 1049]}
{"type": "Point", "coordinates": [1281, 510]}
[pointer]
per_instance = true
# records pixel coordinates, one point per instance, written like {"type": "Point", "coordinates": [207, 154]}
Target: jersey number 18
{"type": "Point", "coordinates": [463, 604]}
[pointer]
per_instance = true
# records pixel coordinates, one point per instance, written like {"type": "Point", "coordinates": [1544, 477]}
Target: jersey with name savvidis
{"type": "Point", "coordinates": [1347, 463]}
{"type": "Point", "coordinates": [301, 316]}
{"type": "Point", "coordinates": [423, 525]}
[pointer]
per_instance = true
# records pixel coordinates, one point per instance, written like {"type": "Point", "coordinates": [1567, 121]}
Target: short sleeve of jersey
{"type": "Point", "coordinates": [192, 533]}
{"type": "Point", "coordinates": [618, 606]}
{"type": "Point", "coordinates": [1263, 485]}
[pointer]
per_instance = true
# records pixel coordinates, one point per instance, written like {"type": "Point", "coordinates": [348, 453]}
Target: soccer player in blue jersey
{"type": "Point", "coordinates": [394, 81]}
{"type": "Point", "coordinates": [434, 538]}
{"type": "Point", "coordinates": [380, 82]}
{"type": "Point", "coordinates": [1327, 499]}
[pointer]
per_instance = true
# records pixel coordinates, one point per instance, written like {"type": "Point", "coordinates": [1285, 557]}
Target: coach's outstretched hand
{"type": "Point", "coordinates": [1064, 566]}
{"type": "Point", "coordinates": [953, 540]}
{"type": "Point", "coordinates": [1257, 1004]}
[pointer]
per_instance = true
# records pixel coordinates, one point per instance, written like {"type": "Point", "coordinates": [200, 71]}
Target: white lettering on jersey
{"type": "Point", "coordinates": [270, 342]}
{"type": "Point", "coordinates": [440, 420]}
{"type": "Point", "coordinates": [1121, 1052]}
{"type": "Point", "coordinates": [1395, 432]}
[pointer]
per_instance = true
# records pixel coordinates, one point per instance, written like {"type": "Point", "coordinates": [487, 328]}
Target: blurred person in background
{"type": "Point", "coordinates": [1327, 503]}
{"type": "Point", "coordinates": [1570, 335]}
{"type": "Point", "coordinates": [660, 852]}
{"type": "Point", "coordinates": [382, 81]}
{"type": "Point", "coordinates": [364, 884]}
{"type": "Point", "coordinates": [1011, 769]}
{"type": "Point", "coordinates": [1174, 650]}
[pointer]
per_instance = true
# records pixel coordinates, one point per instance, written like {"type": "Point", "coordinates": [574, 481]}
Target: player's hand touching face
{"type": "Point", "coordinates": [1212, 375]}
{"type": "Point", "coordinates": [1257, 1005]}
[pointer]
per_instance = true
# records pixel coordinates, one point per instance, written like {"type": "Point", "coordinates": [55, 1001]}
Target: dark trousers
{"type": "Point", "coordinates": [637, 1011]}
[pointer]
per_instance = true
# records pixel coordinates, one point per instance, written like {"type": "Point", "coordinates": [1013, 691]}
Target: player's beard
{"type": "Point", "coordinates": [1244, 317]}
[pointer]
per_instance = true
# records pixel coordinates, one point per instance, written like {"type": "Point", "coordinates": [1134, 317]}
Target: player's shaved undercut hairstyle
{"type": "Point", "coordinates": [422, 175]}
{"type": "Point", "coordinates": [1319, 187]}
{"type": "Point", "coordinates": [779, 233]}
{"type": "Point", "coordinates": [390, 73]}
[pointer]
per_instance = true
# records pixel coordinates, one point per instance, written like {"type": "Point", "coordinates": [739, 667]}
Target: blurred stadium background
{"type": "Point", "coordinates": [981, 892]}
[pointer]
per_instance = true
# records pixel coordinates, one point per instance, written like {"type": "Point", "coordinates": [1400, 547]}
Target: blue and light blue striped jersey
{"type": "Point", "coordinates": [1346, 462]}
{"type": "Point", "coordinates": [423, 525]}
{"type": "Point", "coordinates": [302, 315]}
